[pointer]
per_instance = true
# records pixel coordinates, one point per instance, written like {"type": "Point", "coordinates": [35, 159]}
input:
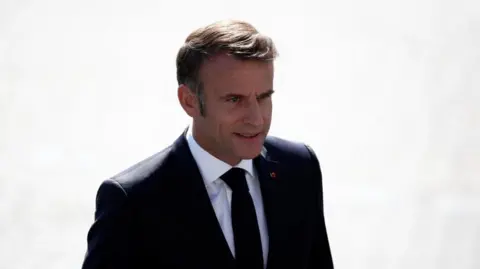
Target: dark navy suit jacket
{"type": "Point", "coordinates": [157, 214]}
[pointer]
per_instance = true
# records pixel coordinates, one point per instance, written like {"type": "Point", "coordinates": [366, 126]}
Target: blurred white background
{"type": "Point", "coordinates": [386, 92]}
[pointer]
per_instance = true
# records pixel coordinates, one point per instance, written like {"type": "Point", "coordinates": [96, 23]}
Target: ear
{"type": "Point", "coordinates": [188, 101]}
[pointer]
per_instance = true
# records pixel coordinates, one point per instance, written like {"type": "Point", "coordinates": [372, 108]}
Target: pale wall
{"type": "Point", "coordinates": [388, 94]}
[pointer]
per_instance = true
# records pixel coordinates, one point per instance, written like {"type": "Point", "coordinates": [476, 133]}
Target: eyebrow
{"type": "Point", "coordinates": [261, 95]}
{"type": "Point", "coordinates": [266, 94]}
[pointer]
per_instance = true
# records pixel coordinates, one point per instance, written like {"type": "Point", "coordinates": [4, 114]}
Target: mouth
{"type": "Point", "coordinates": [247, 135]}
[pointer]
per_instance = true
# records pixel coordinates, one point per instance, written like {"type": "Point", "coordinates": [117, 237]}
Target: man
{"type": "Point", "coordinates": [223, 195]}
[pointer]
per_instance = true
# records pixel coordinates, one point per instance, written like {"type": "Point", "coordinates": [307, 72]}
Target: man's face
{"type": "Point", "coordinates": [238, 107]}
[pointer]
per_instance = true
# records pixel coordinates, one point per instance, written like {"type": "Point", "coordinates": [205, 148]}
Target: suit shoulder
{"type": "Point", "coordinates": [144, 171]}
{"type": "Point", "coordinates": [281, 147]}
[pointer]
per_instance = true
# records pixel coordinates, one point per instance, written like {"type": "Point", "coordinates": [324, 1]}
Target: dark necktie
{"type": "Point", "coordinates": [248, 246]}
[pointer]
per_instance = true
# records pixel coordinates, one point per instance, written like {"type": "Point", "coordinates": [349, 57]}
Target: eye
{"type": "Point", "coordinates": [233, 99]}
{"type": "Point", "coordinates": [261, 97]}
{"type": "Point", "coordinates": [265, 96]}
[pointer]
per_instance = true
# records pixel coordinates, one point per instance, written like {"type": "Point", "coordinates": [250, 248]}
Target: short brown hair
{"type": "Point", "coordinates": [232, 37]}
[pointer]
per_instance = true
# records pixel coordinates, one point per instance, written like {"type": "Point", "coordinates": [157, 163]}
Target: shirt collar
{"type": "Point", "coordinates": [210, 167]}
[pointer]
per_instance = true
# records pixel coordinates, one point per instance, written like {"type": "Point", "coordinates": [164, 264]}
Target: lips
{"type": "Point", "coordinates": [247, 135]}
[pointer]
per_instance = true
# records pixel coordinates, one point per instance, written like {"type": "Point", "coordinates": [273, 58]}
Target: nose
{"type": "Point", "coordinates": [254, 114]}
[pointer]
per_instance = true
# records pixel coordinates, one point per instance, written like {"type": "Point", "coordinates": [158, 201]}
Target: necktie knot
{"type": "Point", "coordinates": [235, 179]}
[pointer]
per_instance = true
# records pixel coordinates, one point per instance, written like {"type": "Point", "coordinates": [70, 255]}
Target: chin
{"type": "Point", "coordinates": [248, 149]}
{"type": "Point", "coordinates": [250, 154]}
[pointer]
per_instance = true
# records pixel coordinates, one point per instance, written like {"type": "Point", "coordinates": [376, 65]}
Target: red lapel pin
{"type": "Point", "coordinates": [273, 175]}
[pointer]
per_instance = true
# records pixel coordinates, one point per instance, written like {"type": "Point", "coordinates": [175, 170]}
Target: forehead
{"type": "Point", "coordinates": [226, 73]}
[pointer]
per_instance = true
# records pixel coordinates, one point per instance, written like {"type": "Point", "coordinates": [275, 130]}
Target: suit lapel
{"type": "Point", "coordinates": [271, 181]}
{"type": "Point", "coordinates": [199, 214]}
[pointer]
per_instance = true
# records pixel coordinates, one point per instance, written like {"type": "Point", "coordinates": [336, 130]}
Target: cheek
{"type": "Point", "coordinates": [230, 117]}
{"type": "Point", "coordinates": [267, 110]}
{"type": "Point", "coordinates": [221, 124]}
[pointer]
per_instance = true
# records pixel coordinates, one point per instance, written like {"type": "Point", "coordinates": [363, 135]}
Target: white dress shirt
{"type": "Point", "coordinates": [220, 193]}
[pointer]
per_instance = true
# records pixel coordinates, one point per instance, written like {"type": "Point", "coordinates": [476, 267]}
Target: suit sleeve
{"type": "Point", "coordinates": [321, 256]}
{"type": "Point", "coordinates": [108, 236]}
